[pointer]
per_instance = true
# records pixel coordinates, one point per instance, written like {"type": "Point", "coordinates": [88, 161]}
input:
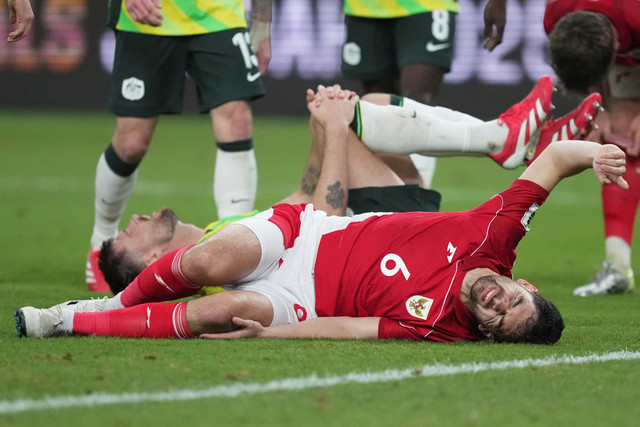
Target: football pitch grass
{"type": "Point", "coordinates": [47, 165]}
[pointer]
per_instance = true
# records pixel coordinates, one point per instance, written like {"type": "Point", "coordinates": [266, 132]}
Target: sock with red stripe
{"type": "Point", "coordinates": [161, 281]}
{"type": "Point", "coordinates": [155, 320]}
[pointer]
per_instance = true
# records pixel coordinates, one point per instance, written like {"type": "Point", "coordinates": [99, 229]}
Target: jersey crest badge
{"type": "Point", "coordinates": [419, 306]}
{"type": "Point", "coordinates": [351, 53]}
{"type": "Point", "coordinates": [132, 89]}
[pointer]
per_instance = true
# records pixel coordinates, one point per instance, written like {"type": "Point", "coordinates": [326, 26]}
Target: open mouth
{"type": "Point", "coordinates": [489, 293]}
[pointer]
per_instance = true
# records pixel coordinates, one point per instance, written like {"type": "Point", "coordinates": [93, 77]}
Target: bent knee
{"type": "Point", "coordinates": [201, 267]}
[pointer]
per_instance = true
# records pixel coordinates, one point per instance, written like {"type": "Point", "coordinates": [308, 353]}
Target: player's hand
{"type": "Point", "coordinates": [609, 165]}
{"type": "Point", "coordinates": [20, 13]}
{"type": "Point", "coordinates": [246, 329]}
{"type": "Point", "coordinates": [495, 19]}
{"type": "Point", "coordinates": [145, 11]}
{"type": "Point", "coordinates": [261, 43]}
{"type": "Point", "coordinates": [330, 92]}
{"type": "Point", "coordinates": [332, 104]}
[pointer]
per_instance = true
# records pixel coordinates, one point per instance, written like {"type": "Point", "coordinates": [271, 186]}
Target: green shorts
{"type": "Point", "coordinates": [401, 198]}
{"type": "Point", "coordinates": [379, 48]}
{"type": "Point", "coordinates": [149, 71]}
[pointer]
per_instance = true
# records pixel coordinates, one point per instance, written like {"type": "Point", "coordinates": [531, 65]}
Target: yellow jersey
{"type": "Point", "coordinates": [395, 8]}
{"type": "Point", "coordinates": [183, 17]}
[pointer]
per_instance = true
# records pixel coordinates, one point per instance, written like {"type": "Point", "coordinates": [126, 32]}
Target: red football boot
{"type": "Point", "coordinates": [575, 125]}
{"type": "Point", "coordinates": [523, 120]}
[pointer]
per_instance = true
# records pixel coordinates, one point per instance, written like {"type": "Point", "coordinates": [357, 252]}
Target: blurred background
{"type": "Point", "coordinates": [66, 59]}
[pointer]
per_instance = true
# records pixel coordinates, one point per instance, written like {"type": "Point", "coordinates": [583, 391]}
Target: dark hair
{"type": "Point", "coordinates": [119, 268]}
{"type": "Point", "coordinates": [580, 49]}
{"type": "Point", "coordinates": [546, 330]}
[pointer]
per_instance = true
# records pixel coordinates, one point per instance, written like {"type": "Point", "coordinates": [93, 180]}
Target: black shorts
{"type": "Point", "coordinates": [379, 48]}
{"type": "Point", "coordinates": [401, 198]}
{"type": "Point", "coordinates": [149, 71]}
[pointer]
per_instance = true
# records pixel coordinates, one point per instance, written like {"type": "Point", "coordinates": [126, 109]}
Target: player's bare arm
{"type": "Point", "coordinates": [566, 158]}
{"type": "Point", "coordinates": [20, 13]}
{"type": "Point", "coordinates": [260, 32]}
{"type": "Point", "coordinates": [321, 327]}
{"type": "Point", "coordinates": [495, 19]}
{"type": "Point", "coordinates": [332, 109]}
{"type": "Point", "coordinates": [306, 192]}
{"type": "Point", "coordinates": [145, 11]}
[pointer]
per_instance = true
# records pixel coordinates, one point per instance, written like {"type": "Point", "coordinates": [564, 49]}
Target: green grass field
{"type": "Point", "coordinates": [47, 165]}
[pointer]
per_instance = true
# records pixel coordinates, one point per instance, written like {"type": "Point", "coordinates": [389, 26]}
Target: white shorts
{"type": "Point", "coordinates": [285, 275]}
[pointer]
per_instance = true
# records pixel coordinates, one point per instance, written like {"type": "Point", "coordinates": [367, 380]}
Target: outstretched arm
{"type": "Point", "coordinates": [321, 327]}
{"type": "Point", "coordinates": [566, 158]}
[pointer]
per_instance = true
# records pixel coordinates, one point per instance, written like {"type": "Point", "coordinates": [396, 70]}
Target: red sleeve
{"type": "Point", "coordinates": [391, 329]}
{"type": "Point", "coordinates": [514, 209]}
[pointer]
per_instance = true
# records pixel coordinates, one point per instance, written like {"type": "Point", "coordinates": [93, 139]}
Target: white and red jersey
{"type": "Point", "coordinates": [624, 14]}
{"type": "Point", "coordinates": [407, 268]}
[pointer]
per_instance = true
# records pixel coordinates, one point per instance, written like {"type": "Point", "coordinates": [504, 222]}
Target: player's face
{"type": "Point", "coordinates": [145, 232]}
{"type": "Point", "coordinates": [502, 306]}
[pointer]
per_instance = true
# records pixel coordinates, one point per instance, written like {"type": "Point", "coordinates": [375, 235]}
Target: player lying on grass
{"type": "Point", "coordinates": [355, 181]}
{"type": "Point", "coordinates": [393, 124]}
{"type": "Point", "coordinates": [418, 275]}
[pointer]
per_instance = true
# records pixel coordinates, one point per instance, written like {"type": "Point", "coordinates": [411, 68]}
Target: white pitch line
{"type": "Point", "coordinates": [301, 383]}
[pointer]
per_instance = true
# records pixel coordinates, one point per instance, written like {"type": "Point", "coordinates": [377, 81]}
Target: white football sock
{"type": "Point", "coordinates": [67, 320]}
{"type": "Point", "coordinates": [425, 165]}
{"type": "Point", "coordinates": [440, 112]}
{"type": "Point", "coordinates": [399, 130]}
{"type": "Point", "coordinates": [235, 182]}
{"type": "Point", "coordinates": [112, 193]}
{"type": "Point", "coordinates": [114, 303]}
{"type": "Point", "coordinates": [618, 253]}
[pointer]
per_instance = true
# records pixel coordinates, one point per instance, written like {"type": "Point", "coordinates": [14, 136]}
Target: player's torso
{"type": "Point", "coordinates": [400, 266]}
{"type": "Point", "coordinates": [408, 267]}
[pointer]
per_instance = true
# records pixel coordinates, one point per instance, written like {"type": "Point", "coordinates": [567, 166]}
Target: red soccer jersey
{"type": "Point", "coordinates": [407, 268]}
{"type": "Point", "coordinates": [624, 14]}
